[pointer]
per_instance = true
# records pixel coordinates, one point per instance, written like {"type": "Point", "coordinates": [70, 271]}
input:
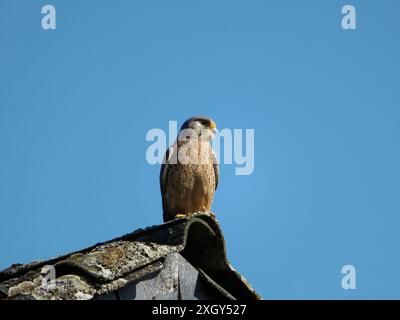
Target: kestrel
{"type": "Point", "coordinates": [189, 174]}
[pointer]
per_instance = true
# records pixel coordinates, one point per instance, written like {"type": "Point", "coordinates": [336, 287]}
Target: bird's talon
{"type": "Point", "coordinates": [180, 216]}
{"type": "Point", "coordinates": [212, 215]}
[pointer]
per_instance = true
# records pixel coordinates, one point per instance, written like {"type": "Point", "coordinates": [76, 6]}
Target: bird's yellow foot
{"type": "Point", "coordinates": [179, 216]}
{"type": "Point", "coordinates": [212, 215]}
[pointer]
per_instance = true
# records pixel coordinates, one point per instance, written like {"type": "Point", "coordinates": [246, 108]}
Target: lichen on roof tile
{"type": "Point", "coordinates": [109, 267]}
{"type": "Point", "coordinates": [66, 287]}
{"type": "Point", "coordinates": [113, 260]}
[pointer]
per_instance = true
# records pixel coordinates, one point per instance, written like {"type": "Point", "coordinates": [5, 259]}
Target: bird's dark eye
{"type": "Point", "coordinates": [204, 122]}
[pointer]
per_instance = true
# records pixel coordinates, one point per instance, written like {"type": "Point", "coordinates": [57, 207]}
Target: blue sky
{"type": "Point", "coordinates": [76, 104]}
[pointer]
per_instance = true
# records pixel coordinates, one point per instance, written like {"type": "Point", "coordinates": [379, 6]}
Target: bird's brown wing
{"type": "Point", "coordinates": [163, 181]}
{"type": "Point", "coordinates": [216, 169]}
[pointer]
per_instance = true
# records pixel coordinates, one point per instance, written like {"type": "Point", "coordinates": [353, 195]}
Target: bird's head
{"type": "Point", "coordinates": [202, 126]}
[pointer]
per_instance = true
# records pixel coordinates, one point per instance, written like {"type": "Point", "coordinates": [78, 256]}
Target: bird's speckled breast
{"type": "Point", "coordinates": [191, 182]}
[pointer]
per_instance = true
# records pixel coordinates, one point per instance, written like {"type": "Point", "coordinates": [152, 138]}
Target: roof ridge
{"type": "Point", "coordinates": [198, 238]}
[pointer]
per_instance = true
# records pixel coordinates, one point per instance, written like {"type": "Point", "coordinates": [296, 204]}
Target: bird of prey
{"type": "Point", "coordinates": [189, 174]}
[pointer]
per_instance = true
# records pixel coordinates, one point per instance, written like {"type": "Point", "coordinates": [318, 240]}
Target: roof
{"type": "Point", "coordinates": [158, 262]}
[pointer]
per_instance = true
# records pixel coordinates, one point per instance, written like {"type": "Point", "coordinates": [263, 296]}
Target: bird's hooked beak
{"type": "Point", "coordinates": [213, 127]}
